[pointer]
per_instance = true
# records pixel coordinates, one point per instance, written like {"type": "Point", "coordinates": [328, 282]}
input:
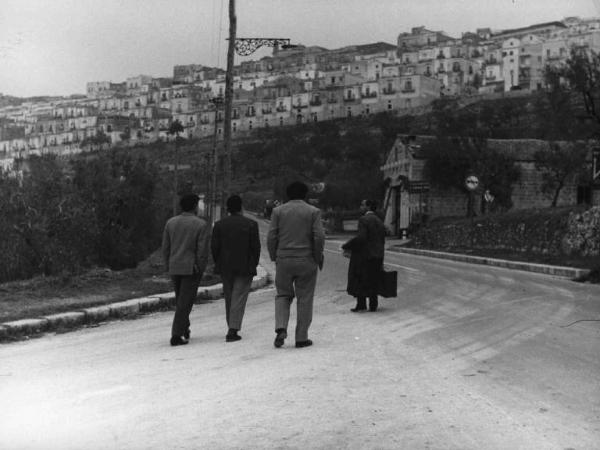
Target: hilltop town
{"type": "Point", "coordinates": [295, 85]}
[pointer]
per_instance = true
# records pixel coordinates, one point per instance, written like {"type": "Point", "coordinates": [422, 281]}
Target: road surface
{"type": "Point", "coordinates": [467, 357]}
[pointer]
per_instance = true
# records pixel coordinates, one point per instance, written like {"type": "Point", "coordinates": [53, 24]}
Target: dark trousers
{"type": "Point", "coordinates": [186, 290]}
{"type": "Point", "coordinates": [361, 303]}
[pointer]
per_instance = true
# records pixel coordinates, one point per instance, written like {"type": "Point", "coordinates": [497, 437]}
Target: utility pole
{"type": "Point", "coordinates": [214, 165]}
{"type": "Point", "coordinates": [229, 99]}
{"type": "Point", "coordinates": [243, 47]}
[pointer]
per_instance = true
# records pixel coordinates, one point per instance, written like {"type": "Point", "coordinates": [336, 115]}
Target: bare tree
{"type": "Point", "coordinates": [559, 165]}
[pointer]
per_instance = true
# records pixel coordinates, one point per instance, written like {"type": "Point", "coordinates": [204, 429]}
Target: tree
{"type": "Point", "coordinates": [121, 193]}
{"type": "Point", "coordinates": [174, 129]}
{"type": "Point", "coordinates": [582, 72]}
{"type": "Point", "coordinates": [52, 226]}
{"type": "Point", "coordinates": [559, 165]}
{"type": "Point", "coordinates": [554, 106]}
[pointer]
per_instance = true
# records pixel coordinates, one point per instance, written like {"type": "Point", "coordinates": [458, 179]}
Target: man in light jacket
{"type": "Point", "coordinates": [185, 248]}
{"type": "Point", "coordinates": [295, 242]}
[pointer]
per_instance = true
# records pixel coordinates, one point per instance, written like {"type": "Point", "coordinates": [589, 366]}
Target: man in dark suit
{"type": "Point", "coordinates": [366, 261]}
{"type": "Point", "coordinates": [185, 247]}
{"type": "Point", "coordinates": [236, 250]}
{"type": "Point", "coordinates": [295, 241]}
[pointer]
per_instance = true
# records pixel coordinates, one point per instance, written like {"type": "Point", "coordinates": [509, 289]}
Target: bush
{"type": "Point", "coordinates": [102, 211]}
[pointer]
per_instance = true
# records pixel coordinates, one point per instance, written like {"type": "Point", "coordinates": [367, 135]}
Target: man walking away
{"type": "Point", "coordinates": [235, 248]}
{"type": "Point", "coordinates": [185, 247]}
{"type": "Point", "coordinates": [295, 242]}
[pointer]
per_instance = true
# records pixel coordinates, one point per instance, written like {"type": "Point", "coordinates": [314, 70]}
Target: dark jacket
{"type": "Point", "coordinates": [235, 245]}
{"type": "Point", "coordinates": [185, 244]}
{"type": "Point", "coordinates": [366, 261]}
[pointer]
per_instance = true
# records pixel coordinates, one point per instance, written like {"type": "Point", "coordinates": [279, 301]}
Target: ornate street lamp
{"type": "Point", "coordinates": [247, 46]}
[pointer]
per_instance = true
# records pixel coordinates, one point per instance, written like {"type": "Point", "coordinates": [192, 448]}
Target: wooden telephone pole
{"type": "Point", "coordinates": [229, 100]}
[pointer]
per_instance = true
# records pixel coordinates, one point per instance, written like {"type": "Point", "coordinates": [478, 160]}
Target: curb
{"type": "Point", "coordinates": [23, 328]}
{"type": "Point", "coordinates": [557, 271]}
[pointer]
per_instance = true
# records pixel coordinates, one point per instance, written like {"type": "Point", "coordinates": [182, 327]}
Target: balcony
{"type": "Point", "coordinates": [490, 78]}
{"type": "Point", "coordinates": [370, 95]}
{"type": "Point", "coordinates": [350, 99]}
{"type": "Point", "coordinates": [267, 111]}
{"type": "Point", "coordinates": [281, 109]}
{"type": "Point", "coordinates": [204, 121]}
{"type": "Point", "coordinates": [315, 102]}
{"type": "Point", "coordinates": [250, 114]}
{"type": "Point", "coordinates": [332, 100]}
{"type": "Point", "coordinates": [408, 90]}
{"type": "Point", "coordinates": [300, 106]}
{"type": "Point", "coordinates": [390, 91]}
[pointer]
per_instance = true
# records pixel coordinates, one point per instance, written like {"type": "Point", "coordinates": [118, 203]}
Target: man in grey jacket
{"type": "Point", "coordinates": [295, 242]}
{"type": "Point", "coordinates": [185, 247]}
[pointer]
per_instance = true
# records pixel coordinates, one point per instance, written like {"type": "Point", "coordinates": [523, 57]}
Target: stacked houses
{"type": "Point", "coordinates": [297, 85]}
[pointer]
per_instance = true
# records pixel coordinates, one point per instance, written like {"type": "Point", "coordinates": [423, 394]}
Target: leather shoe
{"type": "Point", "coordinates": [306, 343]}
{"type": "Point", "coordinates": [232, 337]}
{"type": "Point", "coordinates": [186, 335]}
{"type": "Point", "coordinates": [281, 335]}
{"type": "Point", "coordinates": [178, 340]}
{"type": "Point", "coordinates": [358, 309]}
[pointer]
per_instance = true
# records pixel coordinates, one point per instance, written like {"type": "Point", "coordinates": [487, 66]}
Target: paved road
{"type": "Point", "coordinates": [468, 357]}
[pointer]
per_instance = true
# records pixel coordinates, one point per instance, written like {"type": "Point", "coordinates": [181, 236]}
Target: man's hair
{"type": "Point", "coordinates": [296, 190]}
{"type": "Point", "coordinates": [188, 202]}
{"type": "Point", "coordinates": [234, 204]}
{"type": "Point", "coordinates": [371, 205]}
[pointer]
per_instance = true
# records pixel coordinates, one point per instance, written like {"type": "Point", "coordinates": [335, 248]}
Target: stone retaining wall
{"type": "Point", "coordinates": [555, 231]}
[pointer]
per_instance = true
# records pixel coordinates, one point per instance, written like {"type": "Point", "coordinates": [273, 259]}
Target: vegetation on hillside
{"type": "Point", "coordinates": [101, 211]}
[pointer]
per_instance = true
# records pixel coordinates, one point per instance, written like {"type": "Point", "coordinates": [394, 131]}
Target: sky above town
{"type": "Point", "coordinates": [55, 47]}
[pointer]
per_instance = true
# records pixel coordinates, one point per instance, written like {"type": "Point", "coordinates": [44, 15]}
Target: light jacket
{"type": "Point", "coordinates": [296, 231]}
{"type": "Point", "coordinates": [185, 244]}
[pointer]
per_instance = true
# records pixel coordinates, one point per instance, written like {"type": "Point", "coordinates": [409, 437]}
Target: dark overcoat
{"type": "Point", "coordinates": [366, 260]}
{"type": "Point", "coordinates": [235, 246]}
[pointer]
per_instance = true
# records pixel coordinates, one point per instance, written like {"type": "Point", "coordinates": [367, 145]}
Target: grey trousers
{"type": "Point", "coordinates": [295, 277]}
{"type": "Point", "coordinates": [236, 289]}
{"type": "Point", "coordinates": [186, 290]}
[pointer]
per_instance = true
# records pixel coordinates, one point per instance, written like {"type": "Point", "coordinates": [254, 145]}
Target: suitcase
{"type": "Point", "coordinates": [388, 285]}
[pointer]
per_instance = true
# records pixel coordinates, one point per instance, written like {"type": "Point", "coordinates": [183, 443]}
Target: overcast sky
{"type": "Point", "coordinates": [53, 47]}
